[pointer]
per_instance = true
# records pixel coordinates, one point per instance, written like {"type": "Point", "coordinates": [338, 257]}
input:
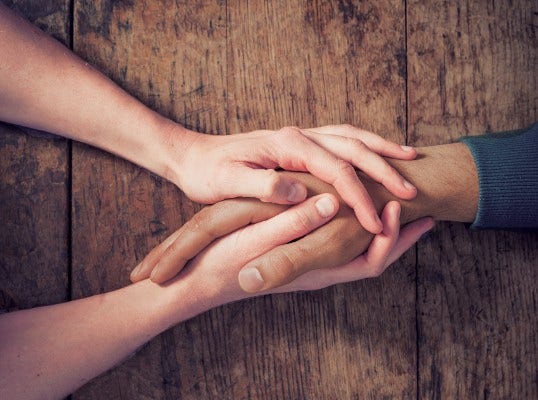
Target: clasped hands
{"type": "Point", "coordinates": [244, 246]}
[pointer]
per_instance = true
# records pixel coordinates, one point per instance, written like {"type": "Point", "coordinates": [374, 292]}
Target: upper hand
{"type": "Point", "coordinates": [214, 168]}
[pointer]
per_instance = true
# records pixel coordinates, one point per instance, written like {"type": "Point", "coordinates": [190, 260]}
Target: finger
{"type": "Point", "coordinates": [165, 261]}
{"type": "Point", "coordinates": [266, 185]}
{"type": "Point", "coordinates": [290, 225]}
{"type": "Point", "coordinates": [409, 235]}
{"type": "Point", "coordinates": [333, 244]}
{"type": "Point", "coordinates": [361, 156]}
{"type": "Point", "coordinates": [370, 264]}
{"type": "Point", "coordinates": [359, 268]}
{"type": "Point", "coordinates": [375, 142]}
{"type": "Point", "coordinates": [383, 251]}
{"type": "Point", "coordinates": [376, 256]}
{"type": "Point", "coordinates": [143, 269]}
{"type": "Point", "coordinates": [296, 152]}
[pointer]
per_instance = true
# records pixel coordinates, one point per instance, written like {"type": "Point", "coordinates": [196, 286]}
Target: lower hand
{"type": "Point", "coordinates": [217, 267]}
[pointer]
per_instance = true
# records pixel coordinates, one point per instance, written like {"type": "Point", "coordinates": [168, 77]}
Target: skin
{"type": "Point", "coordinates": [45, 86]}
{"type": "Point", "coordinates": [48, 352]}
{"type": "Point", "coordinates": [445, 175]}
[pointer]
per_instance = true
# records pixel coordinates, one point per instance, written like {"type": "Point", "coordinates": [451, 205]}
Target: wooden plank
{"type": "Point", "coordinates": [472, 68]}
{"type": "Point", "coordinates": [311, 64]}
{"type": "Point", "coordinates": [34, 196]}
{"type": "Point", "coordinates": [222, 68]}
{"type": "Point", "coordinates": [171, 56]}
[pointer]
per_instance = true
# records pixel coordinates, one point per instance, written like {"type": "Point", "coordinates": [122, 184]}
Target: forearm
{"type": "Point", "coordinates": [48, 352]}
{"type": "Point", "coordinates": [45, 86]}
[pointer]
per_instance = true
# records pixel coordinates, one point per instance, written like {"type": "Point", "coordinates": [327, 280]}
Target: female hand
{"type": "Point", "coordinates": [214, 168]}
{"type": "Point", "coordinates": [212, 275]}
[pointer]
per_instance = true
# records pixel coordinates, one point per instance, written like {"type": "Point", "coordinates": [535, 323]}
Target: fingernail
{"type": "Point", "coordinates": [325, 207]}
{"type": "Point", "coordinates": [407, 148]}
{"type": "Point", "coordinates": [296, 193]}
{"type": "Point", "coordinates": [408, 185]}
{"type": "Point", "coordinates": [250, 279]}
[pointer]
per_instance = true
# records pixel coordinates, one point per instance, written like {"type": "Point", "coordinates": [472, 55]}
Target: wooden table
{"type": "Point", "coordinates": [456, 318]}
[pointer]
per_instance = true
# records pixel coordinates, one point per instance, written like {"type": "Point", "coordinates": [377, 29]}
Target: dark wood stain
{"type": "Point", "coordinates": [454, 320]}
{"type": "Point", "coordinates": [470, 72]}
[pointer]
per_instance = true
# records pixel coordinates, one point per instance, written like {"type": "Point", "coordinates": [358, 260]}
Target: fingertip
{"type": "Point", "coordinates": [374, 225]}
{"type": "Point", "coordinates": [429, 224]}
{"type": "Point", "coordinates": [282, 190]}
{"type": "Point", "coordinates": [250, 280]}
{"type": "Point", "coordinates": [134, 276]}
{"type": "Point", "coordinates": [391, 218]}
{"type": "Point", "coordinates": [408, 152]}
{"type": "Point", "coordinates": [296, 192]}
{"type": "Point", "coordinates": [393, 209]}
{"type": "Point", "coordinates": [155, 275]}
{"type": "Point", "coordinates": [327, 205]}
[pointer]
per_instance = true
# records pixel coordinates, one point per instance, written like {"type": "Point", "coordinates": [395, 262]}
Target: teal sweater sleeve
{"type": "Point", "coordinates": [507, 165]}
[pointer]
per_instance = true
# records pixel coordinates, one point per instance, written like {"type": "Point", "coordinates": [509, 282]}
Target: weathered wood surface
{"type": "Point", "coordinates": [473, 68]}
{"type": "Point", "coordinates": [34, 196]}
{"type": "Point", "coordinates": [228, 69]}
{"type": "Point", "coordinates": [428, 70]}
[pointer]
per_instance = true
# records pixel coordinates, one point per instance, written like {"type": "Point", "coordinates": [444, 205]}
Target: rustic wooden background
{"type": "Point", "coordinates": [456, 318]}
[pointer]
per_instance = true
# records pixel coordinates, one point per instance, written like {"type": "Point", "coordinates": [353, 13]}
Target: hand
{"type": "Point", "coordinates": [339, 242]}
{"type": "Point", "coordinates": [213, 168]}
{"type": "Point", "coordinates": [212, 275]}
{"type": "Point", "coordinates": [218, 220]}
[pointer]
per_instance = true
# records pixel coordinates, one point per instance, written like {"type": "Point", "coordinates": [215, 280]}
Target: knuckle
{"type": "Point", "coordinates": [344, 169]}
{"type": "Point", "coordinates": [283, 266]}
{"type": "Point", "coordinates": [347, 127]}
{"type": "Point", "coordinates": [289, 134]}
{"type": "Point", "coordinates": [272, 182]}
{"type": "Point", "coordinates": [197, 222]}
{"type": "Point", "coordinates": [290, 130]}
{"type": "Point", "coordinates": [359, 146]}
{"type": "Point", "coordinates": [302, 221]}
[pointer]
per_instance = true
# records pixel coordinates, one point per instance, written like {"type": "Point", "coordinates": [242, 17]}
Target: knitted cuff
{"type": "Point", "coordinates": [507, 165]}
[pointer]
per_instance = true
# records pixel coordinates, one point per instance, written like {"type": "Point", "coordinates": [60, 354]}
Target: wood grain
{"type": "Point", "coordinates": [34, 197]}
{"type": "Point", "coordinates": [310, 64]}
{"type": "Point", "coordinates": [222, 68]}
{"type": "Point", "coordinates": [226, 67]}
{"type": "Point", "coordinates": [472, 69]}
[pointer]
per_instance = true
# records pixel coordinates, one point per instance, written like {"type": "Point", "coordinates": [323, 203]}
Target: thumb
{"type": "Point", "coordinates": [281, 266]}
{"type": "Point", "coordinates": [268, 186]}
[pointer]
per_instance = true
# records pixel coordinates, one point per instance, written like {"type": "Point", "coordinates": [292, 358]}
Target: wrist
{"type": "Point", "coordinates": [173, 143]}
{"type": "Point", "coordinates": [446, 181]}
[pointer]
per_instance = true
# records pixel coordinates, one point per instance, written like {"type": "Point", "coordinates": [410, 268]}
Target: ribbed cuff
{"type": "Point", "coordinates": [507, 165]}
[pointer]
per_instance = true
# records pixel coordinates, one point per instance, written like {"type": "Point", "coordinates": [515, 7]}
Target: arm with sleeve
{"type": "Point", "coordinates": [507, 165]}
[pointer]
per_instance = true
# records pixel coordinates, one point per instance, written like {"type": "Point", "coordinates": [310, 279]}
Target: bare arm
{"type": "Point", "coordinates": [45, 86]}
{"type": "Point", "coordinates": [48, 352]}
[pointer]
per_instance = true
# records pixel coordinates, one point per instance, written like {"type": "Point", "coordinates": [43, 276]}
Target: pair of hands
{"type": "Point", "coordinates": [266, 262]}
{"type": "Point", "coordinates": [212, 274]}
